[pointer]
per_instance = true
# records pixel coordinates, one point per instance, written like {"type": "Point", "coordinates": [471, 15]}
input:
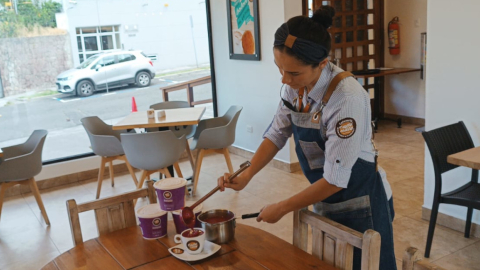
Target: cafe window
{"type": "Point", "coordinates": [93, 40]}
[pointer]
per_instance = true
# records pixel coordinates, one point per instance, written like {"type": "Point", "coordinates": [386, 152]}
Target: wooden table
{"type": "Point", "coordinates": [173, 117]}
{"type": "Point", "coordinates": [469, 158]}
{"type": "Point", "coordinates": [378, 98]}
{"type": "Point", "coordinates": [252, 248]}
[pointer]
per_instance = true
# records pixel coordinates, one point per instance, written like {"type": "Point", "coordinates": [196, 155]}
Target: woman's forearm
{"type": "Point", "coordinates": [316, 192]}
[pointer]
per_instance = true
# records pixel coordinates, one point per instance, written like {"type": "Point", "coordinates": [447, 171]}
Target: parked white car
{"type": "Point", "coordinates": [109, 69]}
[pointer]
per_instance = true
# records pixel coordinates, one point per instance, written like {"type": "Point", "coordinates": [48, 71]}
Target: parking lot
{"type": "Point", "coordinates": [60, 114]}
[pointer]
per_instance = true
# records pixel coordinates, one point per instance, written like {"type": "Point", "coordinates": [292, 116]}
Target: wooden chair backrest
{"type": "Point", "coordinates": [111, 213]}
{"type": "Point", "coordinates": [333, 242]}
{"type": "Point", "coordinates": [413, 260]}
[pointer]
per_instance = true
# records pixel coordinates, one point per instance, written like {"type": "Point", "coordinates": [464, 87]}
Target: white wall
{"type": "Point", "coordinates": [452, 92]}
{"type": "Point", "coordinates": [254, 85]}
{"type": "Point", "coordinates": [405, 93]}
{"type": "Point", "coordinates": [164, 27]}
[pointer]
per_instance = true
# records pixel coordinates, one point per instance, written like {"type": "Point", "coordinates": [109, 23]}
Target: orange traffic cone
{"type": "Point", "coordinates": [134, 105]}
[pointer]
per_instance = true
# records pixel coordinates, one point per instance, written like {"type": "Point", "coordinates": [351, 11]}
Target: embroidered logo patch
{"type": "Point", "coordinates": [346, 128]}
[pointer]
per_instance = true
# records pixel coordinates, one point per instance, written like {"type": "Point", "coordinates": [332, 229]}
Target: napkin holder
{"type": "Point", "coordinates": [160, 113]}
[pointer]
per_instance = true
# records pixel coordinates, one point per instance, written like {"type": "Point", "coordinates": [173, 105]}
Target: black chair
{"type": "Point", "coordinates": [443, 142]}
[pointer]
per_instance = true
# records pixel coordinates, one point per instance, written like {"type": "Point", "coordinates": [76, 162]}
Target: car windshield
{"type": "Point", "coordinates": [88, 62]}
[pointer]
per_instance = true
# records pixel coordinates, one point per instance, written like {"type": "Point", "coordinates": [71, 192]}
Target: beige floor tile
{"type": "Point", "coordinates": [412, 233]}
{"type": "Point", "coordinates": [33, 262]}
{"type": "Point", "coordinates": [406, 199]}
{"type": "Point", "coordinates": [26, 246]}
{"type": "Point", "coordinates": [123, 183]}
{"type": "Point", "coordinates": [400, 170]}
{"type": "Point", "coordinates": [398, 151]}
{"type": "Point", "coordinates": [466, 258]}
{"type": "Point", "coordinates": [17, 218]}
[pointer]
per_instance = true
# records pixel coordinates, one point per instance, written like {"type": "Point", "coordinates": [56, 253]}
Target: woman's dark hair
{"type": "Point", "coordinates": [313, 29]}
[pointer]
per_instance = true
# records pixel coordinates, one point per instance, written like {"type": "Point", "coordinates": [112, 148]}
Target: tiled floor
{"type": "Point", "coordinates": [27, 243]}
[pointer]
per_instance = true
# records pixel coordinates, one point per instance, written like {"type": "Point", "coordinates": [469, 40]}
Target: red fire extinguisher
{"type": "Point", "coordinates": [394, 36]}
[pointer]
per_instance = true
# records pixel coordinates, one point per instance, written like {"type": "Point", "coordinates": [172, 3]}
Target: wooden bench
{"type": "Point", "coordinates": [189, 87]}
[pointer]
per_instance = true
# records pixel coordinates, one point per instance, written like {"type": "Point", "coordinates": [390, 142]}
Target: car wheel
{"type": "Point", "coordinates": [85, 88]}
{"type": "Point", "coordinates": [143, 79]}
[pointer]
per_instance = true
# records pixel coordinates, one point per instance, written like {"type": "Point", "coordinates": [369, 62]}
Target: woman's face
{"type": "Point", "coordinates": [295, 73]}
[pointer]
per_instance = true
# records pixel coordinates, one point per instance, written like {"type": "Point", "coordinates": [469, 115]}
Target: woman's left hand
{"type": "Point", "coordinates": [271, 213]}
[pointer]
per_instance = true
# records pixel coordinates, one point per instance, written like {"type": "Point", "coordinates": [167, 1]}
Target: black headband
{"type": "Point", "coordinates": [305, 49]}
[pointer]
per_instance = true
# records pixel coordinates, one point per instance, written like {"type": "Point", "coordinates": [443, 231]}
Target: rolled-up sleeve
{"type": "Point", "coordinates": [280, 129]}
{"type": "Point", "coordinates": [345, 126]}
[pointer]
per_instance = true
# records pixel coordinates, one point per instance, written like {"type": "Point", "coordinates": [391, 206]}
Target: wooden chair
{"type": "Point", "coordinates": [111, 213]}
{"type": "Point", "coordinates": [413, 260]}
{"type": "Point", "coordinates": [334, 243]}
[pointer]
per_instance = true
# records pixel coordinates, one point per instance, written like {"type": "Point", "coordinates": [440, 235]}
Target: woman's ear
{"type": "Point", "coordinates": [323, 63]}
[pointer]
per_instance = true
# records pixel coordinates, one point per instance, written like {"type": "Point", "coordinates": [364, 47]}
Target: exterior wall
{"type": "Point", "coordinates": [164, 28]}
{"type": "Point", "coordinates": [32, 63]}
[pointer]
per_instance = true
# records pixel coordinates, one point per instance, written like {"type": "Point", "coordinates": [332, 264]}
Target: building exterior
{"type": "Point", "coordinates": [172, 33]}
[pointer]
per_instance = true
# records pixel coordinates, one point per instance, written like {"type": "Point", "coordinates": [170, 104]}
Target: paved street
{"type": "Point", "coordinates": [60, 114]}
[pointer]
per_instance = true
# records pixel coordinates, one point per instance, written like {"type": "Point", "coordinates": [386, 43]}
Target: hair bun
{"type": "Point", "coordinates": [324, 16]}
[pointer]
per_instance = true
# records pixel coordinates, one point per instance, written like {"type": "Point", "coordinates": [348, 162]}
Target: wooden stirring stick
{"type": "Point", "coordinates": [187, 212]}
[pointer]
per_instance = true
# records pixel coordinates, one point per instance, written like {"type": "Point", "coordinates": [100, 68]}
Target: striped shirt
{"type": "Point", "coordinates": [349, 100]}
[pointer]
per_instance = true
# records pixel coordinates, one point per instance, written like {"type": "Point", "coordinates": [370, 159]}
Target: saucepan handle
{"type": "Point", "coordinates": [253, 215]}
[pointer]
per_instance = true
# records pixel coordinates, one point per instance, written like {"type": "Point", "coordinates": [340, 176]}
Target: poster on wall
{"type": "Point", "coordinates": [243, 29]}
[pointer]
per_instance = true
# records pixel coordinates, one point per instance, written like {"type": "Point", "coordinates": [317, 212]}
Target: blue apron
{"type": "Point", "coordinates": [362, 205]}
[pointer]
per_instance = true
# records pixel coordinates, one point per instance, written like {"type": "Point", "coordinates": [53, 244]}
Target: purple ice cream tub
{"type": "Point", "coordinates": [171, 193]}
{"type": "Point", "coordinates": [180, 225]}
{"type": "Point", "coordinates": [153, 221]}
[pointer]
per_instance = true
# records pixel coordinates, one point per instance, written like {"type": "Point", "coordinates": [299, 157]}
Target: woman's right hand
{"type": "Point", "coordinates": [237, 183]}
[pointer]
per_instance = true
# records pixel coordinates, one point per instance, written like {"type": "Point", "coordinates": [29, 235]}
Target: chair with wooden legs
{"type": "Point", "coordinates": [215, 136]}
{"type": "Point", "coordinates": [111, 213]}
{"type": "Point", "coordinates": [333, 242]}
{"type": "Point", "coordinates": [413, 260]}
{"type": "Point", "coordinates": [153, 152]}
{"type": "Point", "coordinates": [179, 131]}
{"type": "Point", "coordinates": [21, 163]}
{"type": "Point", "coordinates": [106, 143]}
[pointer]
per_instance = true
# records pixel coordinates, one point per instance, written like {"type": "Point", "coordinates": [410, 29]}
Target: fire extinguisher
{"type": "Point", "coordinates": [394, 36]}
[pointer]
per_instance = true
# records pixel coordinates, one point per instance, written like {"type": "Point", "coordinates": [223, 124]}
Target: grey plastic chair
{"type": "Point", "coordinates": [153, 152]}
{"type": "Point", "coordinates": [106, 143]}
{"type": "Point", "coordinates": [21, 163]}
{"type": "Point", "coordinates": [215, 135]}
{"type": "Point", "coordinates": [179, 131]}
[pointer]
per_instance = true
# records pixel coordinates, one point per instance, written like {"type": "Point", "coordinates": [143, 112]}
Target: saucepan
{"type": "Point", "coordinates": [219, 224]}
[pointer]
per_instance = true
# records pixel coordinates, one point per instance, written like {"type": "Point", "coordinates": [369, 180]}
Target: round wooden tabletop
{"type": "Point", "coordinates": [251, 248]}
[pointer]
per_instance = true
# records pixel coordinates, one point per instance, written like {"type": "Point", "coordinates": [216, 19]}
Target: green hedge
{"type": "Point", "coordinates": [30, 15]}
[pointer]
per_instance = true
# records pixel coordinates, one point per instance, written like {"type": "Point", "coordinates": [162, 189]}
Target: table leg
{"type": "Point", "coordinates": [170, 168]}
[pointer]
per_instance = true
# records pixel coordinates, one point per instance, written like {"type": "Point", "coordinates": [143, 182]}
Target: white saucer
{"type": "Point", "coordinates": [209, 249]}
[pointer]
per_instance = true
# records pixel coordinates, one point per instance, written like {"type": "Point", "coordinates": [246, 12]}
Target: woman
{"type": "Point", "coordinates": [330, 120]}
